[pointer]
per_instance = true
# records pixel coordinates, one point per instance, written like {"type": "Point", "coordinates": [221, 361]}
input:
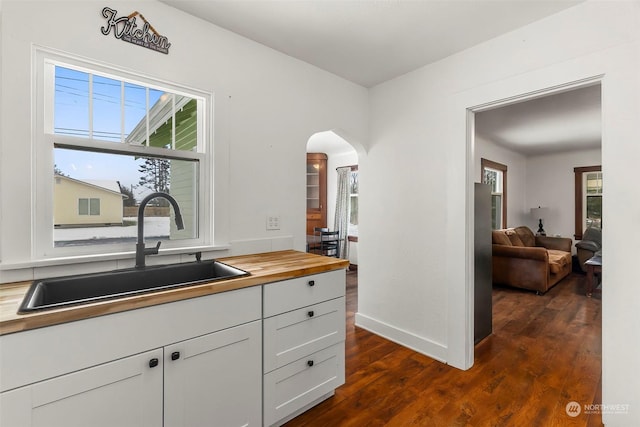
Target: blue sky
{"type": "Point", "coordinates": [72, 118]}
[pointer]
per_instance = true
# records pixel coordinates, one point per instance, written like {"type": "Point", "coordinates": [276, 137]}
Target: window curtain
{"type": "Point", "coordinates": [341, 222]}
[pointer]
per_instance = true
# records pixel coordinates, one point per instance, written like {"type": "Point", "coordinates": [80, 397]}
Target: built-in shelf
{"type": "Point", "coordinates": [316, 191]}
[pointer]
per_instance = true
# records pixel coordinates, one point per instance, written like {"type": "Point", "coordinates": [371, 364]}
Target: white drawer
{"type": "Point", "coordinates": [297, 384]}
{"type": "Point", "coordinates": [292, 294]}
{"type": "Point", "coordinates": [295, 334]}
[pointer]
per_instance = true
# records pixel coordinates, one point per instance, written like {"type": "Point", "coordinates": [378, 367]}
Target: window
{"type": "Point", "coordinates": [88, 206]}
{"type": "Point", "coordinates": [495, 174]}
{"type": "Point", "coordinates": [353, 202]}
{"type": "Point", "coordinates": [593, 199]}
{"type": "Point", "coordinates": [588, 198]}
{"type": "Point", "coordinates": [112, 137]}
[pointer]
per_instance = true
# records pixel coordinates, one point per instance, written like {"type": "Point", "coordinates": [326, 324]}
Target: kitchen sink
{"type": "Point", "coordinates": [86, 288]}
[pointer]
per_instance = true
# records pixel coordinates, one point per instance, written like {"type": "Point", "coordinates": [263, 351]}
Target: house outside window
{"type": "Point", "coordinates": [495, 174]}
{"type": "Point", "coordinates": [100, 124]}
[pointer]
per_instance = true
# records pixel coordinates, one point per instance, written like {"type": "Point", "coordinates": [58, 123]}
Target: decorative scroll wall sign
{"type": "Point", "coordinates": [126, 28]}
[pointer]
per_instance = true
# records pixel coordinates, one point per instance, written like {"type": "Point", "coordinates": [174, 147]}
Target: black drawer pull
{"type": "Point", "coordinates": [310, 362]}
{"type": "Point", "coordinates": [175, 355]}
{"type": "Point", "coordinates": [153, 362]}
{"type": "Point", "coordinates": [310, 313]}
{"type": "Point", "coordinates": [312, 282]}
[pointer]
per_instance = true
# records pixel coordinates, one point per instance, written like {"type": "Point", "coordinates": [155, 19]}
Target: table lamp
{"type": "Point", "coordinates": [540, 213]}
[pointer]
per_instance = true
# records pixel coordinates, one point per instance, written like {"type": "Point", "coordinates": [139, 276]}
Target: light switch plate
{"type": "Point", "coordinates": [273, 222]}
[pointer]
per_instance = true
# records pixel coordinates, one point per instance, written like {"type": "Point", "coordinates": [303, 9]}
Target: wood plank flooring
{"type": "Point", "coordinates": [545, 351]}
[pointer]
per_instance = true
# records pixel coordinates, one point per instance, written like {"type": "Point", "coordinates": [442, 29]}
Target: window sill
{"type": "Point", "coordinates": [106, 257]}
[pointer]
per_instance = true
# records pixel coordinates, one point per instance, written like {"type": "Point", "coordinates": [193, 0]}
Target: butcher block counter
{"type": "Point", "coordinates": [263, 268]}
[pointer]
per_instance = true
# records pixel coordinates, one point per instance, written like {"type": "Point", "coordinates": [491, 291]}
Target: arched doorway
{"type": "Point", "coordinates": [326, 152]}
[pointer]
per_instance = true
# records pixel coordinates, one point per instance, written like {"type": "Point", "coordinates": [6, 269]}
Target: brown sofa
{"type": "Point", "coordinates": [523, 260]}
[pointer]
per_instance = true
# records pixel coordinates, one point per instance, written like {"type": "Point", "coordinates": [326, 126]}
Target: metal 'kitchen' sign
{"type": "Point", "coordinates": [126, 28]}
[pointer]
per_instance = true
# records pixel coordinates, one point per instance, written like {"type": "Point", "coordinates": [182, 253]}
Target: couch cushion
{"type": "Point", "coordinates": [513, 237]}
{"type": "Point", "coordinates": [526, 235]}
{"type": "Point", "coordinates": [558, 259]}
{"type": "Point", "coordinates": [499, 237]}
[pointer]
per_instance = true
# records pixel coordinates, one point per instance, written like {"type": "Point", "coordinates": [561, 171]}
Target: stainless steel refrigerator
{"type": "Point", "coordinates": [482, 276]}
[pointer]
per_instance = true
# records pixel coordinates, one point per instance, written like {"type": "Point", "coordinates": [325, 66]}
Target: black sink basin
{"type": "Point", "coordinates": [62, 291]}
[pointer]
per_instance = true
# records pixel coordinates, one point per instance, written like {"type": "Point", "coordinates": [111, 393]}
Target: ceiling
{"type": "Point", "coordinates": [562, 122]}
{"type": "Point", "coordinates": [371, 41]}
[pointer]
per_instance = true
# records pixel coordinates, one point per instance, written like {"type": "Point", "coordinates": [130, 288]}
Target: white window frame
{"type": "Point", "coordinates": [580, 200]}
{"type": "Point", "coordinates": [44, 141]}
{"type": "Point", "coordinates": [501, 189]}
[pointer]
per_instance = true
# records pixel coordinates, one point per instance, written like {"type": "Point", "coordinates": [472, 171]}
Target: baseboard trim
{"type": "Point", "coordinates": [402, 337]}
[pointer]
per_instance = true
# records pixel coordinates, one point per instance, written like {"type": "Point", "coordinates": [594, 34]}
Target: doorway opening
{"type": "Point", "coordinates": [327, 152]}
{"type": "Point", "coordinates": [541, 137]}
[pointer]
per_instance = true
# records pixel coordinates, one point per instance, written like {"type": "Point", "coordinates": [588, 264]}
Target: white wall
{"type": "Point", "coordinates": [266, 106]}
{"type": "Point", "coordinates": [550, 183]}
{"type": "Point", "coordinates": [415, 270]}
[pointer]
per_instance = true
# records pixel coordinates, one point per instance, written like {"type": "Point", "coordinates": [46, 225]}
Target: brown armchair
{"type": "Point", "coordinates": [590, 244]}
{"type": "Point", "coordinates": [525, 261]}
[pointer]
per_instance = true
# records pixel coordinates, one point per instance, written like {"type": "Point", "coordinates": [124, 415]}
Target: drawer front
{"type": "Point", "coordinates": [295, 334]}
{"type": "Point", "coordinates": [297, 384]}
{"type": "Point", "coordinates": [292, 294]}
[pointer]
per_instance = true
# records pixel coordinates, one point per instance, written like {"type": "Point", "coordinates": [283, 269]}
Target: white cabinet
{"type": "Point", "coordinates": [182, 378]}
{"type": "Point", "coordinates": [210, 380]}
{"type": "Point", "coordinates": [249, 357]}
{"type": "Point", "coordinates": [126, 392]}
{"type": "Point", "coordinates": [304, 334]}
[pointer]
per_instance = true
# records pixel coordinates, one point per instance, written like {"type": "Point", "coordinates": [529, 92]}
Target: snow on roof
{"type": "Point", "coordinates": [104, 183]}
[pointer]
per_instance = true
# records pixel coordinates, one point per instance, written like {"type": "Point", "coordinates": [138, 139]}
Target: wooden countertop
{"type": "Point", "coordinates": [264, 268]}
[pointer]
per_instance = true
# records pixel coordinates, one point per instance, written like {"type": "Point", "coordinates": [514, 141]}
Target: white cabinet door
{"type": "Point", "coordinates": [215, 380]}
{"type": "Point", "coordinates": [126, 392]}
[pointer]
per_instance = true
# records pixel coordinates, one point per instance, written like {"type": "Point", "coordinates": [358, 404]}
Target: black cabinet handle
{"type": "Point", "coordinates": [175, 355]}
{"type": "Point", "coordinates": [309, 362]}
{"type": "Point", "coordinates": [310, 313]}
{"type": "Point", "coordinates": [153, 362]}
{"type": "Point", "coordinates": [312, 282]}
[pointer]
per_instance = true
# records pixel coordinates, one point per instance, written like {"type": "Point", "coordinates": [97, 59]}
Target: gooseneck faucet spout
{"type": "Point", "coordinates": [141, 251]}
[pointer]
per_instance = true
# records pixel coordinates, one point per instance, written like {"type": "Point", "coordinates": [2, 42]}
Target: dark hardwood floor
{"type": "Point", "coordinates": [545, 351]}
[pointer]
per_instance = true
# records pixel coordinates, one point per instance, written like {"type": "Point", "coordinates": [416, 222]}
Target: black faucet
{"type": "Point", "coordinates": [141, 251]}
